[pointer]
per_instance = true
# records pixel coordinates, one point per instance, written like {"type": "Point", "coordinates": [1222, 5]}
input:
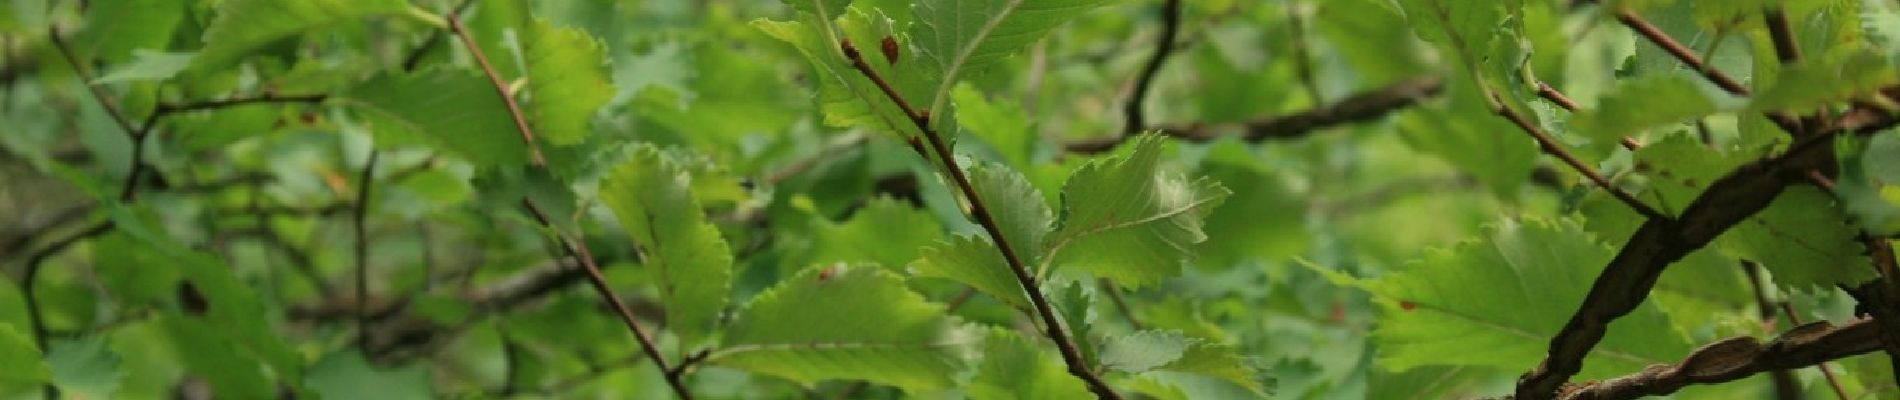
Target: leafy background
{"type": "Point", "coordinates": [271, 198]}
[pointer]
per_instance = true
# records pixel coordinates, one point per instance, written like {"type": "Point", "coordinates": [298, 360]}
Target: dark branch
{"type": "Point", "coordinates": [1737, 358]}
{"type": "Point", "coordinates": [1359, 107]}
{"type": "Point", "coordinates": [1687, 57]}
{"type": "Point", "coordinates": [1053, 324]}
{"type": "Point", "coordinates": [581, 254]}
{"type": "Point", "coordinates": [1550, 146]}
{"type": "Point", "coordinates": [1135, 118]}
{"type": "Point", "coordinates": [1633, 272]}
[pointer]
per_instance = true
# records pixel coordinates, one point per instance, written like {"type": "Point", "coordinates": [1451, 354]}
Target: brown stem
{"type": "Point", "coordinates": [1551, 147]}
{"type": "Point", "coordinates": [1785, 48]}
{"type": "Point", "coordinates": [581, 254]}
{"type": "Point", "coordinates": [1134, 118]}
{"type": "Point", "coordinates": [1302, 57]}
{"type": "Point", "coordinates": [1687, 57]}
{"type": "Point", "coordinates": [1070, 353]}
{"type": "Point", "coordinates": [1115, 296]}
{"type": "Point", "coordinates": [1547, 92]}
{"type": "Point", "coordinates": [501, 88]}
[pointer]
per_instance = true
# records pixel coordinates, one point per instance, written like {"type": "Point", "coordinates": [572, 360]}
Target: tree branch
{"type": "Point", "coordinates": [1551, 147]}
{"type": "Point", "coordinates": [1736, 358]}
{"type": "Point", "coordinates": [585, 257]}
{"type": "Point", "coordinates": [1070, 353]}
{"type": "Point", "coordinates": [1359, 107]}
{"type": "Point", "coordinates": [501, 88]}
{"type": "Point", "coordinates": [1134, 117]}
{"type": "Point", "coordinates": [1687, 57]}
{"type": "Point", "coordinates": [1629, 277]}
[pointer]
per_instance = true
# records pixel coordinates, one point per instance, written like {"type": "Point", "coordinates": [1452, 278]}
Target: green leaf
{"type": "Point", "coordinates": [1818, 81]}
{"type": "Point", "coordinates": [1496, 302]}
{"type": "Point", "coordinates": [1641, 103]}
{"type": "Point", "coordinates": [148, 65]}
{"type": "Point", "coordinates": [1679, 168]}
{"type": "Point", "coordinates": [1804, 241]}
{"type": "Point", "coordinates": [1000, 123]}
{"type": "Point", "coordinates": [898, 229]}
{"type": "Point", "coordinates": [231, 374]}
{"type": "Point", "coordinates": [1153, 350]}
{"type": "Point", "coordinates": [84, 367]}
{"type": "Point", "coordinates": [653, 199]}
{"type": "Point", "coordinates": [346, 375]}
{"type": "Point", "coordinates": [127, 269]}
{"type": "Point", "coordinates": [116, 28]}
{"type": "Point", "coordinates": [965, 37]}
{"type": "Point", "coordinates": [454, 109]}
{"type": "Point", "coordinates": [1014, 368]}
{"type": "Point", "coordinates": [974, 260]}
{"type": "Point", "coordinates": [245, 25]}
{"type": "Point", "coordinates": [1142, 351]}
{"type": "Point", "coordinates": [846, 97]}
{"type": "Point", "coordinates": [1126, 219]}
{"type": "Point", "coordinates": [820, 7]}
{"type": "Point", "coordinates": [567, 81]}
{"type": "Point", "coordinates": [22, 358]}
{"type": "Point", "coordinates": [1472, 138]}
{"type": "Point", "coordinates": [843, 323]}
{"type": "Point", "coordinates": [1020, 211]}
{"type": "Point", "coordinates": [1073, 303]}
{"type": "Point", "coordinates": [1263, 220]}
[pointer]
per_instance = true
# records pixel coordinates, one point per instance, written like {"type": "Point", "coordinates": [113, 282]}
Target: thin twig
{"type": "Point", "coordinates": [168, 108]}
{"type": "Point", "coordinates": [501, 88]}
{"type": "Point", "coordinates": [1115, 296]}
{"type": "Point", "coordinates": [29, 281]}
{"type": "Point", "coordinates": [581, 254]}
{"type": "Point", "coordinates": [1547, 92]}
{"type": "Point", "coordinates": [1068, 349]}
{"type": "Point", "coordinates": [1551, 147]}
{"type": "Point", "coordinates": [1302, 57]}
{"type": "Point", "coordinates": [1363, 106]}
{"type": "Point", "coordinates": [363, 187]}
{"type": "Point", "coordinates": [1134, 118]}
{"type": "Point", "coordinates": [1683, 54]}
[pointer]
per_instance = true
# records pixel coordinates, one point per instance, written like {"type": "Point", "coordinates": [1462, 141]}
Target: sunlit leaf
{"type": "Point", "coordinates": [653, 199]}
{"type": "Point", "coordinates": [845, 322]}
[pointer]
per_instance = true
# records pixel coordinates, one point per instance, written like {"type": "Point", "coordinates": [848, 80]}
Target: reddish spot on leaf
{"type": "Point", "coordinates": [309, 118]}
{"type": "Point", "coordinates": [1407, 305]}
{"type": "Point", "coordinates": [827, 273]}
{"type": "Point", "coordinates": [889, 46]}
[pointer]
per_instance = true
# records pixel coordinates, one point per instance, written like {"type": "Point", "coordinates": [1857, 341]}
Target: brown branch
{"type": "Point", "coordinates": [1786, 386]}
{"type": "Point", "coordinates": [581, 254]}
{"type": "Point", "coordinates": [1687, 57]}
{"type": "Point", "coordinates": [1785, 48]}
{"type": "Point", "coordinates": [1736, 358]}
{"type": "Point", "coordinates": [1627, 280]}
{"type": "Point", "coordinates": [1135, 118]}
{"type": "Point", "coordinates": [1550, 146]}
{"type": "Point", "coordinates": [1547, 92]}
{"type": "Point", "coordinates": [501, 88]}
{"type": "Point", "coordinates": [1070, 353]}
{"type": "Point", "coordinates": [1682, 53]}
{"type": "Point", "coordinates": [1363, 106]}
{"type": "Point", "coordinates": [414, 58]}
